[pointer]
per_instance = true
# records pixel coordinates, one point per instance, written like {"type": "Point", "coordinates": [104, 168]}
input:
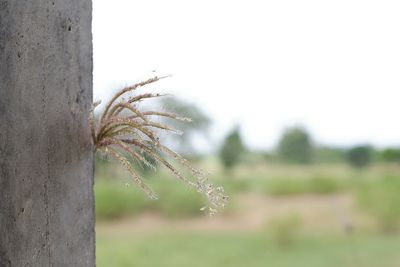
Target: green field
{"type": "Point", "coordinates": [279, 215]}
{"type": "Point", "coordinates": [245, 250]}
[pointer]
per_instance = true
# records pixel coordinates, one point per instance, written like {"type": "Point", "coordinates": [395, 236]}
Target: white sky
{"type": "Point", "coordinates": [331, 66]}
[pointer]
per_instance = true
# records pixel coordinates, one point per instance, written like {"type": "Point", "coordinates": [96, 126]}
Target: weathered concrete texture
{"type": "Point", "coordinates": [46, 159]}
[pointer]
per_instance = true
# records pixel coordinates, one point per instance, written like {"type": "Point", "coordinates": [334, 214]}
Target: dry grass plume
{"type": "Point", "coordinates": [124, 130]}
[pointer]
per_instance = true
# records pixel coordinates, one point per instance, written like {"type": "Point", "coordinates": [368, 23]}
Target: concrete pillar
{"type": "Point", "coordinates": [46, 157]}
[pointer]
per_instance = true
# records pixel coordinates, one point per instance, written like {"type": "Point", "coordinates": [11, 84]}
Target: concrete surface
{"type": "Point", "coordinates": [46, 159]}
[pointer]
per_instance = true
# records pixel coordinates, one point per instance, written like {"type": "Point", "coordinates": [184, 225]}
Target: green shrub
{"type": "Point", "coordinates": [391, 155]}
{"type": "Point", "coordinates": [232, 149]}
{"type": "Point", "coordinates": [295, 146]}
{"type": "Point", "coordinates": [324, 185]}
{"type": "Point", "coordinates": [113, 200]}
{"type": "Point", "coordinates": [381, 199]}
{"type": "Point", "coordinates": [292, 186]}
{"type": "Point", "coordinates": [359, 156]}
{"type": "Point", "coordinates": [285, 186]}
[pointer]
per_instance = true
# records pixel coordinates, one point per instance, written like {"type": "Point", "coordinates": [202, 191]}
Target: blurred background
{"type": "Point", "coordinates": [295, 112]}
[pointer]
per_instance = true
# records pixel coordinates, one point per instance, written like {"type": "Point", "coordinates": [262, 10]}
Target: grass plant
{"type": "Point", "coordinates": [125, 131]}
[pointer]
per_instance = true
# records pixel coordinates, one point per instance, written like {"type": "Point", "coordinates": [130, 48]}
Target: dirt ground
{"type": "Point", "coordinates": [252, 213]}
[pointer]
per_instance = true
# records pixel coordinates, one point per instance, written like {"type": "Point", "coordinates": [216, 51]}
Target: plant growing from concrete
{"type": "Point", "coordinates": [125, 131]}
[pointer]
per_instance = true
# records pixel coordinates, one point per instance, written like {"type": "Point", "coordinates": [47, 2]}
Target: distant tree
{"type": "Point", "coordinates": [295, 146]}
{"type": "Point", "coordinates": [360, 156]}
{"type": "Point", "coordinates": [232, 149]}
{"type": "Point", "coordinates": [391, 155]}
{"type": "Point", "coordinates": [199, 125]}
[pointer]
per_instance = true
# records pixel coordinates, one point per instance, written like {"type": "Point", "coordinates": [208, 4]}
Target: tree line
{"type": "Point", "coordinates": [296, 146]}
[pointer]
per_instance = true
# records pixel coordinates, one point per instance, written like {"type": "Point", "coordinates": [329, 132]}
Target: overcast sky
{"type": "Point", "coordinates": [331, 66]}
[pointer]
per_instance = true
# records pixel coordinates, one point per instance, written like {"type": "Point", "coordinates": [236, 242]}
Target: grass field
{"type": "Point", "coordinates": [279, 216]}
{"type": "Point", "coordinates": [245, 250]}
